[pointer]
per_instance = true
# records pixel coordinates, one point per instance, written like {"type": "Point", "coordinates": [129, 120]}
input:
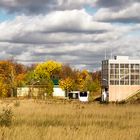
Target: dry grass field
{"type": "Point", "coordinates": [63, 120]}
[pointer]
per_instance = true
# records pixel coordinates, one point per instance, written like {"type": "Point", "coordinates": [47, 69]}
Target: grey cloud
{"type": "Point", "coordinates": [78, 57]}
{"type": "Point", "coordinates": [18, 50]}
{"type": "Point", "coordinates": [28, 6]}
{"type": "Point", "coordinates": [40, 6]}
{"type": "Point", "coordinates": [75, 31]}
{"type": "Point", "coordinates": [81, 56]}
{"type": "Point", "coordinates": [123, 20]}
{"type": "Point", "coordinates": [115, 4]}
{"type": "Point", "coordinates": [128, 15]}
{"type": "Point", "coordinates": [59, 39]}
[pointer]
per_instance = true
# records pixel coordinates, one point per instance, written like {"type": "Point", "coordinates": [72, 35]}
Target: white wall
{"type": "Point", "coordinates": [58, 92]}
{"type": "Point", "coordinates": [22, 91]}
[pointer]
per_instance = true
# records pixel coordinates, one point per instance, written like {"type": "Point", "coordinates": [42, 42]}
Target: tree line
{"type": "Point", "coordinates": [13, 75]}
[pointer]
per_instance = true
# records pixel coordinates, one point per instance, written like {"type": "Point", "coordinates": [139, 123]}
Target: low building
{"type": "Point", "coordinates": [31, 91]}
{"type": "Point", "coordinates": [58, 92]}
{"type": "Point", "coordinates": [40, 90]}
{"type": "Point", "coordinates": [22, 91]}
{"type": "Point", "coordinates": [120, 78]}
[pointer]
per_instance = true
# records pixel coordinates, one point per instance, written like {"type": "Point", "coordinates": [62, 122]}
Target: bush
{"type": "Point", "coordinates": [17, 103]}
{"type": "Point", "coordinates": [6, 117]}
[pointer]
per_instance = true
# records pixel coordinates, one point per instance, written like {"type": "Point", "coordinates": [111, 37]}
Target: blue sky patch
{"type": "Point", "coordinates": [4, 16]}
{"type": "Point", "coordinates": [90, 9]}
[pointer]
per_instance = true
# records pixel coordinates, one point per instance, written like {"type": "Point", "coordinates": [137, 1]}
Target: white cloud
{"type": "Point", "coordinates": [61, 25]}
{"type": "Point", "coordinates": [69, 36]}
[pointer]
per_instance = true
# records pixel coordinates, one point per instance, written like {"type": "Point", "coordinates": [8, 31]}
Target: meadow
{"type": "Point", "coordinates": [70, 120]}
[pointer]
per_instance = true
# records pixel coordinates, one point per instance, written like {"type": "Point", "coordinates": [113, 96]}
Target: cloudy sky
{"type": "Point", "coordinates": [76, 32]}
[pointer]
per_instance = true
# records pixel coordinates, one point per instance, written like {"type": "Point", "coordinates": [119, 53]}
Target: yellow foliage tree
{"type": "Point", "coordinates": [83, 80]}
{"type": "Point", "coordinates": [48, 68]}
{"type": "Point", "coordinates": [66, 84]}
{"type": "Point", "coordinates": [44, 72]}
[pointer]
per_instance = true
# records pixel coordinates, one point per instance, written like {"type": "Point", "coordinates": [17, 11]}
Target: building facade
{"type": "Point", "coordinates": [120, 77]}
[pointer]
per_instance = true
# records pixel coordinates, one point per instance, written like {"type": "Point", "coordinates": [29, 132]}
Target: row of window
{"type": "Point", "coordinates": [124, 71]}
{"type": "Point", "coordinates": [123, 74]}
{"type": "Point", "coordinates": [125, 82]}
{"type": "Point", "coordinates": [132, 66]}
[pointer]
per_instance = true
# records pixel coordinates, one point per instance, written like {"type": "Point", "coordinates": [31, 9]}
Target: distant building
{"type": "Point", "coordinates": [120, 78]}
{"type": "Point", "coordinates": [58, 92]}
{"type": "Point", "coordinates": [31, 91]}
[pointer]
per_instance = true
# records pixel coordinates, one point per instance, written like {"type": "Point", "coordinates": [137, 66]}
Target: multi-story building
{"type": "Point", "coordinates": [120, 77]}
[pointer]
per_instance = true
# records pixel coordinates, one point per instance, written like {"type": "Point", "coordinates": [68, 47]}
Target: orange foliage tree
{"type": "Point", "coordinates": [7, 74]}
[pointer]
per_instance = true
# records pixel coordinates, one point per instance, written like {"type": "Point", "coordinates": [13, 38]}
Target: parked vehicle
{"type": "Point", "coordinates": [82, 96]}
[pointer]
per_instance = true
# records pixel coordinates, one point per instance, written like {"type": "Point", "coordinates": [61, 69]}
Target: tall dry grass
{"type": "Point", "coordinates": [62, 120]}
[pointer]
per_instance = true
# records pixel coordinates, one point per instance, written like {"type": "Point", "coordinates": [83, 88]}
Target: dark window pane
{"type": "Point", "coordinates": [83, 94]}
{"type": "Point", "coordinates": [121, 65]}
{"type": "Point", "coordinates": [116, 65]}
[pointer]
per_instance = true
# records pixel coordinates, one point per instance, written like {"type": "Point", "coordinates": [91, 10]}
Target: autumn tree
{"type": "Point", "coordinates": [4, 88]}
{"type": "Point", "coordinates": [48, 68]}
{"type": "Point", "coordinates": [66, 71]}
{"type": "Point", "coordinates": [96, 76]}
{"type": "Point", "coordinates": [83, 80]}
{"type": "Point", "coordinates": [7, 73]}
{"type": "Point", "coordinates": [20, 74]}
{"type": "Point", "coordinates": [21, 79]}
{"type": "Point", "coordinates": [44, 73]}
{"type": "Point", "coordinates": [67, 85]}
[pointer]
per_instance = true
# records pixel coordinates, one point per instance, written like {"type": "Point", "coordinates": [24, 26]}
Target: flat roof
{"type": "Point", "coordinates": [122, 59]}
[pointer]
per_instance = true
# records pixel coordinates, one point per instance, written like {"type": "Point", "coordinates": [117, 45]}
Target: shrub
{"type": "Point", "coordinates": [17, 103]}
{"type": "Point", "coordinates": [6, 117]}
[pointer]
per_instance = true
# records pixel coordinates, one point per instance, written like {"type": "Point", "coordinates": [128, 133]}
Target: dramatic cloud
{"type": "Point", "coordinates": [70, 32]}
{"type": "Point", "coordinates": [39, 6]}
{"type": "Point", "coordinates": [53, 28]}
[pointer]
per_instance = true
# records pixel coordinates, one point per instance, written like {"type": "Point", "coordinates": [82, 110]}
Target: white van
{"type": "Point", "coordinates": [83, 96]}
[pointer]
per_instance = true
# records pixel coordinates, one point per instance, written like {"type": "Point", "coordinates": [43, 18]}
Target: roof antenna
{"type": "Point", "coordinates": [105, 53]}
{"type": "Point", "coordinates": [111, 54]}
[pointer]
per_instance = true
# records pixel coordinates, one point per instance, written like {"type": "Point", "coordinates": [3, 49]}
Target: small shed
{"type": "Point", "coordinates": [58, 92]}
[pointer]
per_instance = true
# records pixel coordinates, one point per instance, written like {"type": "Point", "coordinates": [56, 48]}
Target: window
{"type": "Point", "coordinates": [83, 94]}
{"type": "Point", "coordinates": [135, 74]}
{"type": "Point", "coordinates": [114, 74]}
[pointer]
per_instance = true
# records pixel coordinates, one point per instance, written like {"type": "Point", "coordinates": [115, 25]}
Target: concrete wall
{"type": "Point", "coordinates": [121, 92]}
{"type": "Point", "coordinates": [25, 91]}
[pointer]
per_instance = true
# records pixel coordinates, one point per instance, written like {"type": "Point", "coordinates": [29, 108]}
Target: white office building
{"type": "Point", "coordinates": [120, 78]}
